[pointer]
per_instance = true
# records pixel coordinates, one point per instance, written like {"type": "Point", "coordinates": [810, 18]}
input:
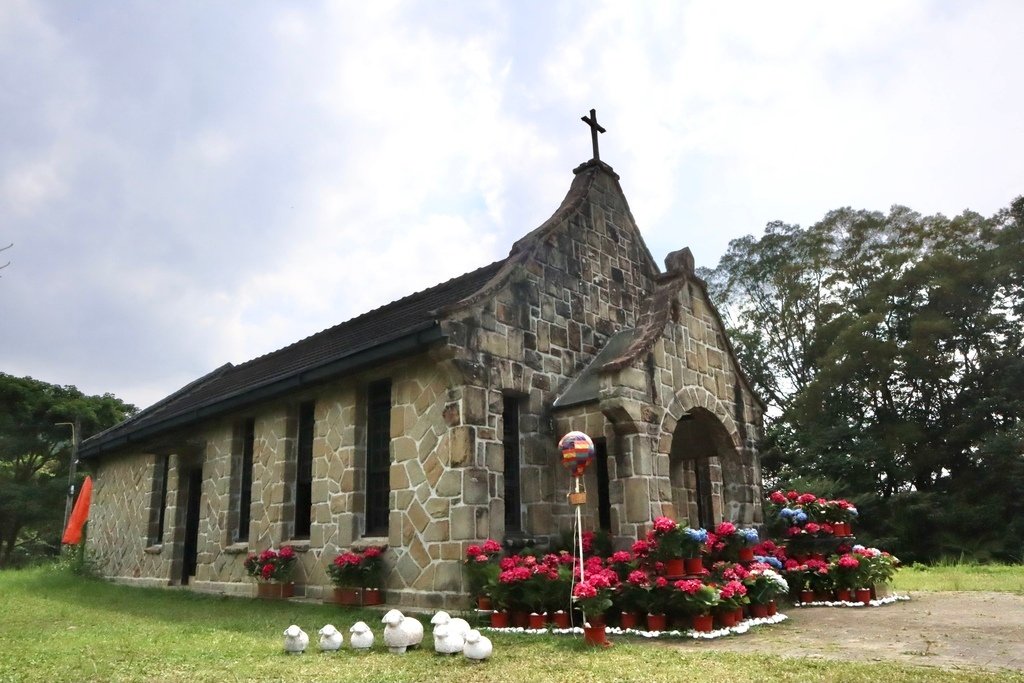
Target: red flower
{"type": "Point", "coordinates": [267, 571]}
{"type": "Point", "coordinates": [778, 498]}
{"type": "Point", "coordinates": [584, 589]}
{"type": "Point", "coordinates": [641, 548]}
{"type": "Point", "coordinates": [792, 495]}
{"type": "Point", "coordinates": [664, 525]}
{"type": "Point", "coordinates": [726, 529]}
{"type": "Point", "coordinates": [491, 546]}
{"type": "Point", "coordinates": [806, 498]}
{"type": "Point", "coordinates": [473, 551]}
{"type": "Point", "coordinates": [286, 552]}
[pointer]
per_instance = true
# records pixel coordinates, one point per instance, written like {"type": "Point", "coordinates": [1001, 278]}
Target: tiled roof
{"type": "Point", "coordinates": [312, 358]}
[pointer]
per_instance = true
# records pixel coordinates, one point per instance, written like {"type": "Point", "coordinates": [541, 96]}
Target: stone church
{"type": "Point", "coordinates": [433, 422]}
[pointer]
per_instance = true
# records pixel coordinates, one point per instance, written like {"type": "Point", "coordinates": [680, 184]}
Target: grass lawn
{"type": "Point", "coordinates": [58, 627]}
{"type": "Point", "coordinates": [961, 577]}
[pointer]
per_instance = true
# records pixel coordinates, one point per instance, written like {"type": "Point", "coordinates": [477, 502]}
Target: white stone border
{"type": "Point", "coordinates": [738, 629]}
{"type": "Point", "coordinates": [888, 600]}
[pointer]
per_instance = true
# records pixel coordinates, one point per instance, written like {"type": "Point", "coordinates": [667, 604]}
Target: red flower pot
{"type": "Point", "coordinates": [560, 619]}
{"type": "Point", "coordinates": [675, 567]}
{"type": "Point", "coordinates": [629, 620]}
{"type": "Point", "coordinates": [864, 595]}
{"type": "Point", "coordinates": [693, 566]}
{"type": "Point", "coordinates": [758, 611]}
{"type": "Point", "coordinates": [373, 596]}
{"type": "Point", "coordinates": [726, 618]}
{"type": "Point", "coordinates": [656, 622]}
{"type": "Point", "coordinates": [806, 596]}
{"type": "Point", "coordinates": [772, 608]}
{"type": "Point", "coordinates": [483, 602]}
{"type": "Point", "coordinates": [595, 636]}
{"type": "Point", "coordinates": [499, 619]}
{"type": "Point", "coordinates": [746, 554]}
{"type": "Point", "coordinates": [275, 591]}
{"type": "Point", "coordinates": [520, 618]}
{"type": "Point", "coordinates": [538, 620]}
{"type": "Point", "coordinates": [843, 595]}
{"type": "Point", "coordinates": [703, 622]}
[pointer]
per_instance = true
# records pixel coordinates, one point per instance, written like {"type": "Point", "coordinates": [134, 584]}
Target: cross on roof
{"type": "Point", "coordinates": [595, 128]}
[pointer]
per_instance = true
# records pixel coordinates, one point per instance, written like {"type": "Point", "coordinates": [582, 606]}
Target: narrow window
{"type": "Point", "coordinates": [378, 457]}
{"type": "Point", "coordinates": [245, 479]}
{"type": "Point", "coordinates": [304, 471]}
{"type": "Point", "coordinates": [703, 493]}
{"type": "Point", "coordinates": [604, 502]}
{"type": "Point", "coordinates": [510, 440]}
{"type": "Point", "coordinates": [158, 511]}
{"type": "Point", "coordinates": [738, 412]}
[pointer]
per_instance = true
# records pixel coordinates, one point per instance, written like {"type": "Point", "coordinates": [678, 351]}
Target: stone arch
{"type": "Point", "coordinates": [711, 473]}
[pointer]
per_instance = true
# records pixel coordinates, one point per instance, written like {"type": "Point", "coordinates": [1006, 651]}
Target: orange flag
{"type": "Point", "coordinates": [79, 514]}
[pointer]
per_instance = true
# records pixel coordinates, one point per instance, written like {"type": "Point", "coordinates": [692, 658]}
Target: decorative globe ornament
{"type": "Point", "coordinates": [577, 452]}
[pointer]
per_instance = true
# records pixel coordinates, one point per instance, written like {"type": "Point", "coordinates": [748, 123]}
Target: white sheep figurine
{"type": "Point", "coordinates": [295, 640]}
{"type": "Point", "coordinates": [361, 637]}
{"type": "Point", "coordinates": [331, 638]}
{"type": "Point", "coordinates": [401, 632]}
{"type": "Point", "coordinates": [454, 624]}
{"type": "Point", "coordinates": [477, 647]}
{"type": "Point", "coordinates": [447, 641]}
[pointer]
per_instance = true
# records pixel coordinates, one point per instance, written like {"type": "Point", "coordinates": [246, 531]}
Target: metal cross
{"type": "Point", "coordinates": [595, 128]}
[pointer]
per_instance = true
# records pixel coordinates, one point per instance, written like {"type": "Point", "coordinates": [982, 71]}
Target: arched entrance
{"type": "Point", "coordinates": [705, 470]}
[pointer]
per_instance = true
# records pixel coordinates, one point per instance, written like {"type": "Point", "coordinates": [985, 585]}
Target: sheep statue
{"type": "Point", "coordinates": [454, 624]}
{"type": "Point", "coordinates": [447, 641]}
{"type": "Point", "coordinates": [361, 637]}
{"type": "Point", "coordinates": [295, 640]}
{"type": "Point", "coordinates": [330, 638]}
{"type": "Point", "coordinates": [401, 632]}
{"type": "Point", "coordinates": [477, 647]}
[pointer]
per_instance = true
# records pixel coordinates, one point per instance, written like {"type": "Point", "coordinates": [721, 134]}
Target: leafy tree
{"type": "Point", "coordinates": [35, 458]}
{"type": "Point", "coordinates": [890, 350]}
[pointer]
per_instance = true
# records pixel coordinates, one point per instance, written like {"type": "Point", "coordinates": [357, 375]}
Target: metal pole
{"type": "Point", "coordinates": [71, 470]}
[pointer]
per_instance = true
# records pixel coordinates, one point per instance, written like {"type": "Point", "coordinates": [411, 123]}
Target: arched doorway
{"type": "Point", "coordinates": [704, 468]}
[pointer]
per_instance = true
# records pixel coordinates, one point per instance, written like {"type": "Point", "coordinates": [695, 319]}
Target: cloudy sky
{"type": "Point", "coordinates": [190, 183]}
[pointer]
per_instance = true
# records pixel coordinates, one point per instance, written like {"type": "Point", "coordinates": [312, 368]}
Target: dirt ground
{"type": "Point", "coordinates": [954, 630]}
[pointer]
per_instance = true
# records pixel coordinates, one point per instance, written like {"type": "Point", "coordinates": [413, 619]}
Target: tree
{"type": "Point", "coordinates": [890, 350]}
{"type": "Point", "coordinates": [35, 457]}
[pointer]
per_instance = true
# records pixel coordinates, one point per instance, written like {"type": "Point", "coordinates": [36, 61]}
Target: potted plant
{"type": "Point", "coordinates": [358, 576]}
{"type": "Point", "coordinates": [481, 568]}
{"type": "Point", "coordinates": [696, 599]}
{"type": "Point", "coordinates": [692, 544]}
{"type": "Point", "coordinates": [633, 596]}
{"type": "Point", "coordinates": [666, 545]}
{"type": "Point", "coordinates": [272, 570]}
{"type": "Point", "coordinates": [731, 599]}
{"type": "Point", "coordinates": [593, 595]}
{"type": "Point", "coordinates": [763, 586]}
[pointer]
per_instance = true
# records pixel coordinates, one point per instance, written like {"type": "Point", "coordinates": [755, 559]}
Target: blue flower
{"type": "Point", "coordinates": [787, 512]}
{"type": "Point", "coordinates": [800, 517]}
{"type": "Point", "coordinates": [749, 535]}
{"type": "Point", "coordinates": [697, 535]}
{"type": "Point", "coordinates": [768, 559]}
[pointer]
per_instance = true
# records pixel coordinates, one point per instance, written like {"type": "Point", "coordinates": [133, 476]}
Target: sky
{"type": "Point", "coordinates": [192, 183]}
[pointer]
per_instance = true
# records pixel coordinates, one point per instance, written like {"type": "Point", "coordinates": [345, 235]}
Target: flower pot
{"type": "Point", "coordinates": [843, 595]}
{"type": "Point", "coordinates": [693, 566]}
{"type": "Point", "coordinates": [806, 596]}
{"type": "Point", "coordinates": [675, 567]}
{"type": "Point", "coordinates": [560, 619]}
{"type": "Point", "coordinates": [629, 620]}
{"type": "Point", "coordinates": [772, 608]}
{"type": "Point", "coordinates": [726, 618]}
{"type": "Point", "coordinates": [483, 602]}
{"type": "Point", "coordinates": [520, 618]}
{"type": "Point", "coordinates": [656, 622]}
{"type": "Point", "coordinates": [595, 636]}
{"type": "Point", "coordinates": [758, 611]}
{"type": "Point", "coordinates": [275, 591]}
{"type": "Point", "coordinates": [822, 596]}
{"type": "Point", "coordinates": [737, 615]}
{"type": "Point", "coordinates": [499, 619]}
{"type": "Point", "coordinates": [537, 621]}
{"type": "Point", "coordinates": [347, 596]}
{"type": "Point", "coordinates": [841, 529]}
{"type": "Point", "coordinates": [863, 596]}
{"type": "Point", "coordinates": [703, 622]}
{"type": "Point", "coordinates": [373, 596]}
{"type": "Point", "coordinates": [746, 554]}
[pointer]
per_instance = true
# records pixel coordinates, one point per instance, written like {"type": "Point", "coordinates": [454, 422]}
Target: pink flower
{"type": "Point", "coordinates": [641, 548]}
{"type": "Point", "coordinates": [806, 498]}
{"type": "Point", "coordinates": [286, 552]}
{"type": "Point", "coordinates": [812, 527]}
{"type": "Point", "coordinates": [688, 586]}
{"type": "Point", "coordinates": [792, 495]}
{"type": "Point", "coordinates": [621, 557]}
{"type": "Point", "coordinates": [778, 498]}
{"type": "Point", "coordinates": [664, 525]}
{"type": "Point", "coordinates": [638, 577]}
{"type": "Point", "coordinates": [371, 552]}
{"type": "Point", "coordinates": [584, 589]}
{"type": "Point", "coordinates": [473, 551]}
{"type": "Point", "coordinates": [491, 546]}
{"type": "Point", "coordinates": [848, 562]}
{"type": "Point", "coordinates": [726, 529]}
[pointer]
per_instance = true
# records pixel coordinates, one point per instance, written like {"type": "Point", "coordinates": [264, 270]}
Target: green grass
{"type": "Point", "coordinates": [58, 627]}
{"type": "Point", "coordinates": [958, 576]}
